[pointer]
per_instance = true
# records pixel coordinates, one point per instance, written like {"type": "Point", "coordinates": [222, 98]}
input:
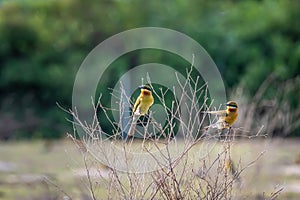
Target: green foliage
{"type": "Point", "coordinates": [42, 44]}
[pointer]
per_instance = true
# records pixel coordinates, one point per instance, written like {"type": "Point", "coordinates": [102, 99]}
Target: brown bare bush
{"type": "Point", "coordinates": [167, 166]}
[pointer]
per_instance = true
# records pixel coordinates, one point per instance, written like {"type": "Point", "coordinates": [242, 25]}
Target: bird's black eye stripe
{"type": "Point", "coordinates": [231, 105]}
{"type": "Point", "coordinates": [145, 87]}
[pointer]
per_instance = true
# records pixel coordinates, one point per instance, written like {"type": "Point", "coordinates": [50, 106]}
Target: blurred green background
{"type": "Point", "coordinates": [255, 44]}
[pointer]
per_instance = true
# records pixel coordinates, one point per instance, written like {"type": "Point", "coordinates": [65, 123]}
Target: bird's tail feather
{"type": "Point", "coordinates": [132, 126]}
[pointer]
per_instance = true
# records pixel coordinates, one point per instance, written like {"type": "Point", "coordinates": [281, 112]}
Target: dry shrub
{"type": "Point", "coordinates": [177, 165]}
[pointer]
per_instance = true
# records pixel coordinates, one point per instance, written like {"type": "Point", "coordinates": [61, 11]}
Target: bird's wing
{"type": "Point", "coordinates": [136, 105]}
{"type": "Point", "coordinates": [217, 112]}
{"type": "Point", "coordinates": [135, 117]}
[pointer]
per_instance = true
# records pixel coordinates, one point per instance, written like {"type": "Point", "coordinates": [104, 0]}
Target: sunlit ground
{"type": "Point", "coordinates": [44, 170]}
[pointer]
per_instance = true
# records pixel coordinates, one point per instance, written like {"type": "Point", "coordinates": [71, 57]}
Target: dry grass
{"type": "Point", "coordinates": [269, 116]}
{"type": "Point", "coordinates": [63, 165]}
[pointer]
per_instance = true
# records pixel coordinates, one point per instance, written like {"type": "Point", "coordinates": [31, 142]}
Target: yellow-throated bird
{"type": "Point", "coordinates": [141, 106]}
{"type": "Point", "coordinates": [226, 117]}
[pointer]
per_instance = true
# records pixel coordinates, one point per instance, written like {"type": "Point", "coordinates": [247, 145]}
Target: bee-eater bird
{"type": "Point", "coordinates": [226, 117]}
{"type": "Point", "coordinates": [141, 106]}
